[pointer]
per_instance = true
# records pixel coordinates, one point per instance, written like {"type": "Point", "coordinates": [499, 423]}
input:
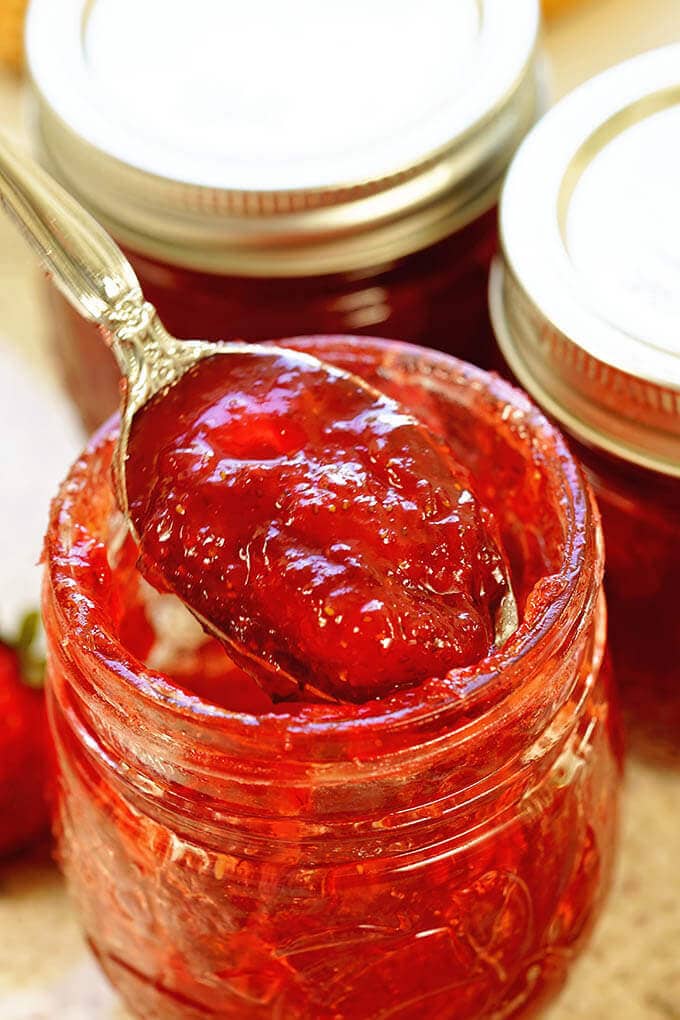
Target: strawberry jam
{"type": "Point", "coordinates": [439, 851]}
{"type": "Point", "coordinates": [333, 540]}
{"type": "Point", "coordinates": [641, 521]}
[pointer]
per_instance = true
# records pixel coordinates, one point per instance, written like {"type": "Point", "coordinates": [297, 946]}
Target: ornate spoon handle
{"type": "Point", "coordinates": [91, 272]}
{"type": "Point", "coordinates": [94, 275]}
{"type": "Point", "coordinates": [86, 265]}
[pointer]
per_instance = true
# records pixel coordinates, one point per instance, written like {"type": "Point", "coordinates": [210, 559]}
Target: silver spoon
{"type": "Point", "coordinates": [92, 273]}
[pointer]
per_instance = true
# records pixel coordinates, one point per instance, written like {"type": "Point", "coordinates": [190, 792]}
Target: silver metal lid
{"type": "Point", "coordinates": [586, 299]}
{"type": "Point", "coordinates": [282, 139]}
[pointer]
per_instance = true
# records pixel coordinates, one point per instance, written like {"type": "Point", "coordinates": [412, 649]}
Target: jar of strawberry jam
{"type": "Point", "coordinates": [586, 304]}
{"type": "Point", "coordinates": [440, 852]}
{"type": "Point", "coordinates": [280, 170]}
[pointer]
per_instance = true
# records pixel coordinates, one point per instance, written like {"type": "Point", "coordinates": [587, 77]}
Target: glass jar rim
{"type": "Point", "coordinates": [493, 680]}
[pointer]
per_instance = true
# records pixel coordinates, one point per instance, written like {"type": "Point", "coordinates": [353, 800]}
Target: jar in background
{"type": "Point", "coordinates": [586, 306]}
{"type": "Point", "coordinates": [279, 170]}
{"type": "Point", "coordinates": [440, 853]}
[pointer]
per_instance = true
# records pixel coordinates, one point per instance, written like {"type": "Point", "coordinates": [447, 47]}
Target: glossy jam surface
{"type": "Point", "coordinates": [641, 520]}
{"type": "Point", "coordinates": [441, 852]}
{"type": "Point", "coordinates": [435, 297]}
{"type": "Point", "coordinates": [317, 524]}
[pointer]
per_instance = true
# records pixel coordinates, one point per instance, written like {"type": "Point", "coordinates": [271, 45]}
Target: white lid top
{"type": "Point", "coordinates": [587, 307]}
{"type": "Point", "coordinates": [261, 127]}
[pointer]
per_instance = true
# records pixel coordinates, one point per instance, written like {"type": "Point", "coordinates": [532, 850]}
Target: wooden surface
{"type": "Point", "coordinates": [631, 971]}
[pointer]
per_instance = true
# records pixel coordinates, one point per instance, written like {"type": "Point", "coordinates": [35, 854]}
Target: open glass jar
{"type": "Point", "coordinates": [442, 852]}
{"type": "Point", "coordinates": [586, 304]}
{"type": "Point", "coordinates": [327, 169]}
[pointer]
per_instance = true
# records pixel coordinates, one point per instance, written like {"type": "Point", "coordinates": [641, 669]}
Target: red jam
{"type": "Point", "coordinates": [641, 520]}
{"type": "Point", "coordinates": [332, 539]}
{"type": "Point", "coordinates": [440, 852]}
{"type": "Point", "coordinates": [435, 297]}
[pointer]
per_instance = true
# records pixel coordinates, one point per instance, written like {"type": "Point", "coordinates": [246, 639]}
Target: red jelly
{"type": "Point", "coordinates": [441, 852]}
{"type": "Point", "coordinates": [641, 518]}
{"type": "Point", "coordinates": [285, 503]}
{"type": "Point", "coordinates": [297, 186]}
{"type": "Point", "coordinates": [585, 305]}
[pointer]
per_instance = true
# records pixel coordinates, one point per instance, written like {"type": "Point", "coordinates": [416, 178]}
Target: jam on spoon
{"type": "Point", "coordinates": [316, 526]}
{"type": "Point", "coordinates": [306, 519]}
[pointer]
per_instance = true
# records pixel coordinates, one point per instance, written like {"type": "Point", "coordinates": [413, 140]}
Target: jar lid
{"type": "Point", "coordinates": [281, 139]}
{"type": "Point", "coordinates": [586, 297]}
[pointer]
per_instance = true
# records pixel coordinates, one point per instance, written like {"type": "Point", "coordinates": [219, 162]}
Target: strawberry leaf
{"type": "Point", "coordinates": [31, 662]}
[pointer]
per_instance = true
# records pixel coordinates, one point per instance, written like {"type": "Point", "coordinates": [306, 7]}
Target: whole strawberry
{"type": "Point", "coordinates": [23, 743]}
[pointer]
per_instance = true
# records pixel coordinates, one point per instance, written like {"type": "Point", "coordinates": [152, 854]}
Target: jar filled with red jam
{"type": "Point", "coordinates": [276, 170]}
{"type": "Point", "coordinates": [441, 850]}
{"type": "Point", "coordinates": [586, 305]}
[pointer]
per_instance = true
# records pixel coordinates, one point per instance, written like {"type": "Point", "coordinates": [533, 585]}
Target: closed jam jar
{"type": "Point", "coordinates": [442, 852]}
{"type": "Point", "coordinates": [329, 169]}
{"type": "Point", "coordinates": [586, 304]}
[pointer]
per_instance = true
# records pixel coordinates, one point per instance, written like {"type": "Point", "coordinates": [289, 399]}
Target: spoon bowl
{"type": "Point", "coordinates": [92, 272]}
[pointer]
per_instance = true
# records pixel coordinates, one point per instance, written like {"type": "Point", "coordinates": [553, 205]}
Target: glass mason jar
{"type": "Point", "coordinates": [440, 853]}
{"type": "Point", "coordinates": [346, 189]}
{"type": "Point", "coordinates": [585, 305]}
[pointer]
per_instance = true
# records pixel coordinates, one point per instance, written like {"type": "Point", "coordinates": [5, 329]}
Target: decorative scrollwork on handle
{"type": "Point", "coordinates": [130, 319]}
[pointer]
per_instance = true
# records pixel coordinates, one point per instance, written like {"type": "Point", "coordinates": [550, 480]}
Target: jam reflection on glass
{"type": "Point", "coordinates": [436, 297]}
{"type": "Point", "coordinates": [441, 851]}
{"type": "Point", "coordinates": [332, 539]}
{"type": "Point", "coordinates": [641, 521]}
